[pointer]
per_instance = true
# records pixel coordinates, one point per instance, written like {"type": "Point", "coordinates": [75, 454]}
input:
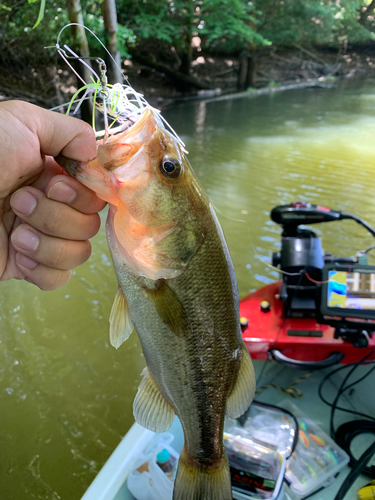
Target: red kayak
{"type": "Point", "coordinates": [322, 312]}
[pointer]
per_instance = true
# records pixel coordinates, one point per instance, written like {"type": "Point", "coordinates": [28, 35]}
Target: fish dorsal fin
{"type": "Point", "coordinates": [244, 389]}
{"type": "Point", "coordinates": [121, 324]}
{"type": "Point", "coordinates": [150, 408]}
{"type": "Point", "coordinates": [169, 308]}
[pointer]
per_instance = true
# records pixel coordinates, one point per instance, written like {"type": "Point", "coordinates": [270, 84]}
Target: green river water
{"type": "Point", "coordinates": [65, 394]}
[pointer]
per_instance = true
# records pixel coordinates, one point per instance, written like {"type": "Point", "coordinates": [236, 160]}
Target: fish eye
{"type": "Point", "coordinates": [170, 167]}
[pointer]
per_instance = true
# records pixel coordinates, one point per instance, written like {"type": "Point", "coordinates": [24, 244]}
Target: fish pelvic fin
{"type": "Point", "coordinates": [195, 483]}
{"type": "Point", "coordinates": [121, 324]}
{"type": "Point", "coordinates": [244, 388]}
{"type": "Point", "coordinates": [150, 408]}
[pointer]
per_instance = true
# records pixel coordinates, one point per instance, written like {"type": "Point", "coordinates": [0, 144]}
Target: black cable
{"type": "Point", "coordinates": [355, 472]}
{"type": "Point", "coordinates": [333, 407]}
{"type": "Point", "coordinates": [242, 420]}
{"type": "Point", "coordinates": [364, 361]}
{"type": "Point", "coordinates": [279, 408]}
{"type": "Point", "coordinates": [347, 432]}
{"type": "Point", "coordinates": [359, 380]}
{"type": "Point", "coordinates": [342, 389]}
{"type": "Point", "coordinates": [369, 249]}
{"type": "Point", "coordinates": [346, 215]}
{"type": "Point", "coordinates": [320, 392]}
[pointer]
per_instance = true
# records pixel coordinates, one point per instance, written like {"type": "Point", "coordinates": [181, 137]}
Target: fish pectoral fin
{"type": "Point", "coordinates": [244, 388]}
{"type": "Point", "coordinates": [169, 308]}
{"type": "Point", "coordinates": [121, 324]}
{"type": "Point", "coordinates": [150, 408]}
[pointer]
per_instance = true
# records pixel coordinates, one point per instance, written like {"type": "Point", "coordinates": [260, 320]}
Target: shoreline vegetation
{"type": "Point", "coordinates": [278, 70]}
{"type": "Point", "coordinates": [177, 50]}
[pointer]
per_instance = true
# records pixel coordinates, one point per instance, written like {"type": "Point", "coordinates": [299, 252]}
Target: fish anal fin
{"type": "Point", "coordinates": [150, 408]}
{"type": "Point", "coordinates": [169, 308]}
{"type": "Point", "coordinates": [121, 324]}
{"type": "Point", "coordinates": [244, 389]}
{"type": "Point", "coordinates": [193, 482]}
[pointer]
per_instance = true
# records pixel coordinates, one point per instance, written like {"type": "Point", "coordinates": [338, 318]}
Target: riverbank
{"type": "Point", "coordinates": [275, 69]}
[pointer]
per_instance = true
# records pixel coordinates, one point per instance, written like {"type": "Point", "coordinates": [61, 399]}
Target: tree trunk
{"type": "Point", "coordinates": [187, 55]}
{"type": "Point", "coordinates": [243, 71]}
{"type": "Point", "coordinates": [366, 12]}
{"type": "Point", "coordinates": [110, 25]}
{"type": "Point", "coordinates": [247, 71]}
{"type": "Point", "coordinates": [186, 49]}
{"type": "Point", "coordinates": [81, 46]}
{"type": "Point", "coordinates": [251, 72]}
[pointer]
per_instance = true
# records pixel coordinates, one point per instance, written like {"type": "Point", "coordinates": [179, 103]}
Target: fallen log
{"type": "Point", "coordinates": [322, 61]}
{"type": "Point", "coordinates": [178, 77]}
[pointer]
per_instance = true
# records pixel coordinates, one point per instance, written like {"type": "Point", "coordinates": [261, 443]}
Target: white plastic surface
{"type": "Point", "coordinates": [115, 471]}
{"type": "Point", "coordinates": [152, 484]}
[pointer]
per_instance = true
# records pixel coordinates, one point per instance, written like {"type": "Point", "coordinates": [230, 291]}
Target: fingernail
{"type": "Point", "coordinates": [62, 192]}
{"type": "Point", "coordinates": [23, 202]}
{"type": "Point", "coordinates": [24, 261]}
{"type": "Point", "coordinates": [25, 239]}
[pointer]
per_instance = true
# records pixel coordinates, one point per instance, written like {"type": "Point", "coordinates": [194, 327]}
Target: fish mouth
{"type": "Point", "coordinates": [118, 150]}
{"type": "Point", "coordinates": [72, 167]}
{"type": "Point", "coordinates": [138, 125]}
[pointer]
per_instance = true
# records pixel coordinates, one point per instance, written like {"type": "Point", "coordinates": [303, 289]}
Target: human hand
{"type": "Point", "coordinates": [46, 217]}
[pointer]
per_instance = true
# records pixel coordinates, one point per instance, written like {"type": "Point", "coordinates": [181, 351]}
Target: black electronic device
{"type": "Point", "coordinates": [348, 291]}
{"type": "Point", "coordinates": [300, 212]}
{"type": "Point", "coordinates": [348, 302]}
{"type": "Point", "coordinates": [302, 259]}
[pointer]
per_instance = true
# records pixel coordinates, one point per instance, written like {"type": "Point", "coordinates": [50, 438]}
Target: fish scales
{"type": "Point", "coordinates": [203, 366]}
{"type": "Point", "coordinates": [178, 289]}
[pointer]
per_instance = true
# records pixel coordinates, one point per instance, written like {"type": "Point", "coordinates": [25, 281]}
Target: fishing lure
{"type": "Point", "coordinates": [120, 104]}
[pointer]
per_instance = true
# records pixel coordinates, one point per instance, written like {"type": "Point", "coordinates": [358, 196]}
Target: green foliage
{"type": "Point", "coordinates": [324, 22]}
{"type": "Point", "coordinates": [125, 39]}
{"type": "Point", "coordinates": [229, 19]}
{"type": "Point", "coordinates": [17, 36]}
{"type": "Point", "coordinates": [41, 11]}
{"type": "Point", "coordinates": [169, 26]}
{"type": "Point", "coordinates": [173, 22]}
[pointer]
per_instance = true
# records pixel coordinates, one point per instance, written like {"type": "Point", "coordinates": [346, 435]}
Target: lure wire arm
{"type": "Point", "coordinates": [102, 80]}
{"type": "Point", "coordinates": [119, 102]}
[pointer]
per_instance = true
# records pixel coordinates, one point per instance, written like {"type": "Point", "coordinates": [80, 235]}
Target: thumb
{"type": "Point", "coordinates": [57, 133]}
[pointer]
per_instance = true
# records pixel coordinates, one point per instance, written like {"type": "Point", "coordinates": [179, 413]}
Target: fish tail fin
{"type": "Point", "coordinates": [195, 483]}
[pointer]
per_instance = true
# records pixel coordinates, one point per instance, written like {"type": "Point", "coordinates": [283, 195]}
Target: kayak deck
{"type": "Point", "coordinates": [110, 483]}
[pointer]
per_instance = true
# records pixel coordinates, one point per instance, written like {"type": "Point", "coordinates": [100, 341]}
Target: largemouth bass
{"type": "Point", "coordinates": [177, 287]}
